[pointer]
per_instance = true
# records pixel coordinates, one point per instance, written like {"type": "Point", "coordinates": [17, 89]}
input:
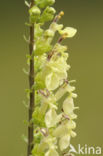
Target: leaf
{"type": "Point", "coordinates": [25, 38]}
{"type": "Point", "coordinates": [25, 71]}
{"type": "Point", "coordinates": [27, 4]}
{"type": "Point", "coordinates": [25, 104]}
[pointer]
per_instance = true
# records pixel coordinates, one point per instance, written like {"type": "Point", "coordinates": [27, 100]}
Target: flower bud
{"type": "Point", "coordinates": [51, 2]}
{"type": "Point", "coordinates": [44, 3]}
{"type": "Point", "coordinates": [34, 14]}
{"type": "Point", "coordinates": [34, 11]}
{"type": "Point", "coordinates": [61, 13]}
{"type": "Point", "coordinates": [50, 10]}
{"type": "Point", "coordinates": [47, 15]}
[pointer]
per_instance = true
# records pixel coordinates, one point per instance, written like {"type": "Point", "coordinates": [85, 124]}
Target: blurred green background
{"type": "Point", "coordinates": [86, 59]}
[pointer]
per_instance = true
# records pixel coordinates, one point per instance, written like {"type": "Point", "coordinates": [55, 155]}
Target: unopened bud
{"type": "Point", "coordinates": [50, 10]}
{"type": "Point", "coordinates": [59, 17]}
{"type": "Point", "coordinates": [62, 13]}
{"type": "Point", "coordinates": [34, 11]}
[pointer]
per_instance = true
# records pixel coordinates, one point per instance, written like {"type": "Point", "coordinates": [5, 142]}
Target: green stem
{"type": "Point", "coordinates": [31, 83]}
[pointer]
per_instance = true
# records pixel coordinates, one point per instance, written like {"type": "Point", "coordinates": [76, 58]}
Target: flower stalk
{"type": "Point", "coordinates": [31, 83]}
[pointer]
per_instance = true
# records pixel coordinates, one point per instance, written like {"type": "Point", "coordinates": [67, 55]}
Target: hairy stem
{"type": "Point", "coordinates": [31, 83]}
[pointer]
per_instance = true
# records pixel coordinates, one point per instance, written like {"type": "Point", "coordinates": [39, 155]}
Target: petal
{"type": "Point", "coordinates": [52, 152]}
{"type": "Point", "coordinates": [71, 125]}
{"type": "Point", "coordinates": [60, 92]}
{"type": "Point", "coordinates": [51, 118]}
{"type": "Point", "coordinates": [73, 134]}
{"type": "Point", "coordinates": [68, 32]}
{"type": "Point", "coordinates": [64, 142]}
{"type": "Point", "coordinates": [68, 105]}
{"type": "Point", "coordinates": [52, 81]}
{"type": "Point", "coordinates": [72, 115]}
{"type": "Point", "coordinates": [70, 88]}
{"type": "Point", "coordinates": [61, 48]}
{"type": "Point", "coordinates": [74, 95]}
{"type": "Point", "coordinates": [52, 106]}
{"type": "Point", "coordinates": [62, 75]}
{"type": "Point", "coordinates": [49, 33]}
{"type": "Point", "coordinates": [59, 131]}
{"type": "Point", "coordinates": [56, 27]}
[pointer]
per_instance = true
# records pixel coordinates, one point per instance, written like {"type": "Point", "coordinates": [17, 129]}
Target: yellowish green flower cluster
{"type": "Point", "coordinates": [53, 119]}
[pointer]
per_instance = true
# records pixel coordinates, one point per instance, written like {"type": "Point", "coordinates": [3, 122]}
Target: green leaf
{"type": "Point", "coordinates": [25, 71]}
{"type": "Point", "coordinates": [27, 4]}
{"type": "Point", "coordinates": [25, 104]}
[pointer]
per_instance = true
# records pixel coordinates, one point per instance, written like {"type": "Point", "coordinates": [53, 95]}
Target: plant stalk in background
{"type": "Point", "coordinates": [51, 106]}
